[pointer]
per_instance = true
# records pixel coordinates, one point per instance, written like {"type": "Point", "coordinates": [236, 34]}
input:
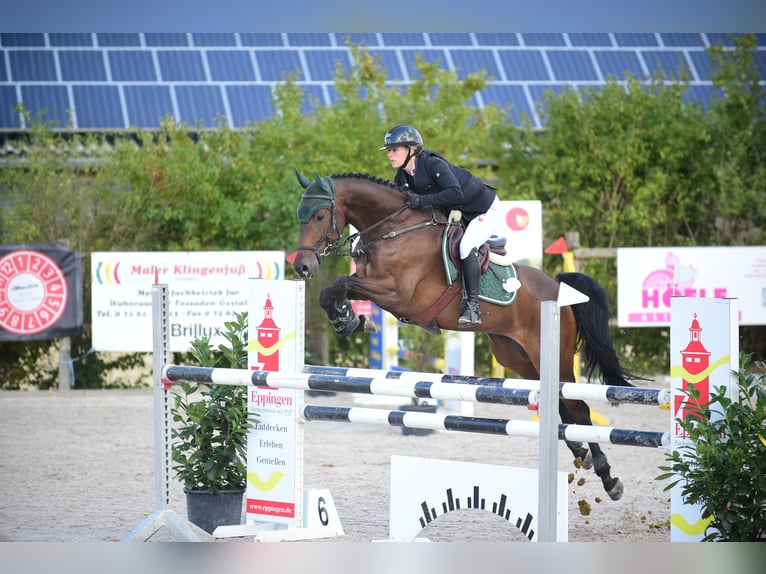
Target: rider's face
{"type": "Point", "coordinates": [397, 155]}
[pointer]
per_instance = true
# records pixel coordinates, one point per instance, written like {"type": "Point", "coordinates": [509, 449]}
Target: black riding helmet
{"type": "Point", "coordinates": [403, 135]}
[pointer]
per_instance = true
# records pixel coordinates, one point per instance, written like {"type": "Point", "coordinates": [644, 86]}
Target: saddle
{"type": "Point", "coordinates": [492, 257]}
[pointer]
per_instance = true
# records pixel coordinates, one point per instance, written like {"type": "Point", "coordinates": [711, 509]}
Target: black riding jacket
{"type": "Point", "coordinates": [445, 186]}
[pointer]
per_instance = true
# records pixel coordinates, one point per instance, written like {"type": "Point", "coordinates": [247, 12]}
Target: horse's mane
{"type": "Point", "coordinates": [368, 177]}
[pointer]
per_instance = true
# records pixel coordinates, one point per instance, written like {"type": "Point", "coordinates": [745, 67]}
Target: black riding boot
{"type": "Point", "coordinates": [471, 315]}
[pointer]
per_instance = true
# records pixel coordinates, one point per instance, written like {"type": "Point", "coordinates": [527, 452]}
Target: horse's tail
{"type": "Point", "coordinates": [593, 335]}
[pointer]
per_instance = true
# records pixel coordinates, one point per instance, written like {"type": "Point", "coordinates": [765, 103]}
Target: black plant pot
{"type": "Point", "coordinates": [208, 511]}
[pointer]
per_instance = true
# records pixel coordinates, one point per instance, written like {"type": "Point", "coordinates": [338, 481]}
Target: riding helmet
{"type": "Point", "coordinates": [403, 135]}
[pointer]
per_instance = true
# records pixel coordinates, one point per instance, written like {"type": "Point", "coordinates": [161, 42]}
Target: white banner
{"type": "Point", "coordinates": [647, 278]}
{"type": "Point", "coordinates": [277, 323]}
{"type": "Point", "coordinates": [522, 226]}
{"type": "Point", "coordinates": [704, 354]}
{"type": "Point", "coordinates": [205, 289]}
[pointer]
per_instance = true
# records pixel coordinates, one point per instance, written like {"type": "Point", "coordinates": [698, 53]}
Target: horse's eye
{"type": "Point", "coordinates": [319, 216]}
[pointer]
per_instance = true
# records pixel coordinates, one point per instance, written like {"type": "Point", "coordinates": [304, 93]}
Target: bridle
{"type": "Point", "coordinates": [331, 239]}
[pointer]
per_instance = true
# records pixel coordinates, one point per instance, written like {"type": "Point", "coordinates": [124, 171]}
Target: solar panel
{"type": "Point", "coordinates": [313, 96]}
{"type": "Point", "coordinates": [431, 56]}
{"type": "Point", "coordinates": [403, 39]}
{"type": "Point", "coordinates": [470, 61]}
{"type": "Point", "coordinates": [131, 66]}
{"type": "Point", "coordinates": [249, 104]}
{"type": "Point", "coordinates": [450, 39]}
{"type": "Point", "coordinates": [230, 66]}
{"type": "Point", "coordinates": [572, 65]}
{"type": "Point", "coordinates": [636, 39]}
{"type": "Point", "coordinates": [682, 40]}
{"type": "Point", "coordinates": [523, 65]}
{"type": "Point", "coordinates": [359, 39]}
{"type": "Point", "coordinates": [118, 39]}
{"type": "Point", "coordinates": [543, 39]}
{"type": "Point", "coordinates": [147, 105]}
{"type": "Point", "coordinates": [275, 64]}
{"type": "Point", "coordinates": [98, 107]}
{"type": "Point", "coordinates": [261, 39]}
{"type": "Point", "coordinates": [667, 62]}
{"type": "Point", "coordinates": [181, 66]}
{"type": "Point", "coordinates": [22, 39]}
{"type": "Point", "coordinates": [308, 39]}
{"type": "Point", "coordinates": [701, 95]}
{"type": "Point", "coordinates": [200, 104]}
{"type": "Point", "coordinates": [8, 118]}
{"type": "Point", "coordinates": [166, 39]}
{"type": "Point", "coordinates": [538, 93]}
{"type": "Point", "coordinates": [390, 62]}
{"type": "Point", "coordinates": [702, 64]}
{"type": "Point", "coordinates": [619, 63]}
{"type": "Point", "coordinates": [47, 103]}
{"type": "Point", "coordinates": [70, 39]}
{"type": "Point", "coordinates": [321, 63]}
{"type": "Point", "coordinates": [32, 66]}
{"type": "Point", "coordinates": [213, 39]}
{"type": "Point", "coordinates": [590, 39]}
{"type": "Point", "coordinates": [82, 66]}
{"type": "Point", "coordinates": [515, 96]}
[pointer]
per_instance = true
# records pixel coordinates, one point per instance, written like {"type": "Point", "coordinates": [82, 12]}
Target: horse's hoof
{"type": "Point", "coordinates": [587, 462]}
{"type": "Point", "coordinates": [369, 325]}
{"type": "Point", "coordinates": [615, 493]}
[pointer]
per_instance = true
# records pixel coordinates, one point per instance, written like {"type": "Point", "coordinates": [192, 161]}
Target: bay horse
{"type": "Point", "coordinates": [399, 266]}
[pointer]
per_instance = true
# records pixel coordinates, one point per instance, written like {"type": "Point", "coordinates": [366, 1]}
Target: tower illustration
{"type": "Point", "coordinates": [268, 336]}
{"type": "Point", "coordinates": [695, 358]}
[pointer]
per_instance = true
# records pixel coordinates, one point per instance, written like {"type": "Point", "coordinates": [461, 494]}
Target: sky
{"type": "Point", "coordinates": [383, 16]}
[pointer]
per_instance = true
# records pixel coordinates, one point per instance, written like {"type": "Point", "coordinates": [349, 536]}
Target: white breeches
{"type": "Point", "coordinates": [480, 229]}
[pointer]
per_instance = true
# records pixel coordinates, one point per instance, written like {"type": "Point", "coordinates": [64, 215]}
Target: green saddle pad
{"type": "Point", "coordinates": [491, 287]}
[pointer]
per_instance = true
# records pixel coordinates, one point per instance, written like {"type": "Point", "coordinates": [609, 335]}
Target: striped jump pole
{"type": "Point", "coordinates": [417, 385]}
{"type": "Point", "coordinates": [509, 427]}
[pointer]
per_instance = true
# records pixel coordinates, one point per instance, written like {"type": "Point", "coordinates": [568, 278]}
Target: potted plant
{"type": "Point", "coordinates": [209, 433]}
{"type": "Point", "coordinates": [724, 465]}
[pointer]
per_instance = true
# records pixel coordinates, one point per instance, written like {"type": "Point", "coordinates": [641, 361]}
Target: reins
{"type": "Point", "coordinates": [345, 248]}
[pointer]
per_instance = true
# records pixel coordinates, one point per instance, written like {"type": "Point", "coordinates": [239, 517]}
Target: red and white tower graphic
{"type": "Point", "coordinates": [268, 336]}
{"type": "Point", "coordinates": [695, 358]}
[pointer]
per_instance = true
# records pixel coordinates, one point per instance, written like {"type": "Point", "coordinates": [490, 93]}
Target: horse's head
{"type": "Point", "coordinates": [320, 227]}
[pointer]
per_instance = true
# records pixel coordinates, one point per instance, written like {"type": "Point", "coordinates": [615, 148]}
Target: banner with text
{"type": "Point", "coordinates": [648, 277]}
{"type": "Point", "coordinates": [276, 322]}
{"type": "Point", "coordinates": [206, 288]}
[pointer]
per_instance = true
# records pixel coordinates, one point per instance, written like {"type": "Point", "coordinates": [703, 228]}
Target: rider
{"type": "Point", "coordinates": [432, 181]}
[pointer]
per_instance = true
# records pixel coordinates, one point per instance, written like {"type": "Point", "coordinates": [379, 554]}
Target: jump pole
{"type": "Point", "coordinates": [163, 517]}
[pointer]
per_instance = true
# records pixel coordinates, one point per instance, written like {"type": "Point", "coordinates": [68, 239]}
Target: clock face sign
{"type": "Point", "coordinates": [33, 292]}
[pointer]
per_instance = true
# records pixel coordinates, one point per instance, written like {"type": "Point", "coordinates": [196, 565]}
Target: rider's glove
{"type": "Point", "coordinates": [413, 200]}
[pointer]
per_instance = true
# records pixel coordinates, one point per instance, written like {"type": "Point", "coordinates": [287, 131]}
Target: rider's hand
{"type": "Point", "coordinates": [413, 200]}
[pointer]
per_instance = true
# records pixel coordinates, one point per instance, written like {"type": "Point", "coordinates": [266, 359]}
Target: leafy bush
{"type": "Point", "coordinates": [724, 465]}
{"type": "Point", "coordinates": [211, 425]}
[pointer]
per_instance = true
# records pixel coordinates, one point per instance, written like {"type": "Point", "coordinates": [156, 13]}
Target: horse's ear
{"type": "Point", "coordinates": [323, 183]}
{"type": "Point", "coordinates": [302, 179]}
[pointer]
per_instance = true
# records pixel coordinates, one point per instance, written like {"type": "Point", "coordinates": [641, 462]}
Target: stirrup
{"type": "Point", "coordinates": [470, 316]}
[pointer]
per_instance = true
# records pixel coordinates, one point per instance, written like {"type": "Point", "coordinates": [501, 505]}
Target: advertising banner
{"type": "Point", "coordinates": [522, 226]}
{"type": "Point", "coordinates": [704, 354]}
{"type": "Point", "coordinates": [276, 323]}
{"type": "Point", "coordinates": [40, 292]}
{"type": "Point", "coordinates": [206, 288]}
{"type": "Point", "coordinates": [648, 277]}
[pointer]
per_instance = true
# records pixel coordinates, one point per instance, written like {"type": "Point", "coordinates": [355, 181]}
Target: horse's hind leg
{"type": "Point", "coordinates": [578, 412]}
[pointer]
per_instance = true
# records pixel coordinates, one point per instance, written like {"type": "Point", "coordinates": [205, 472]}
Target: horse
{"type": "Point", "coordinates": [399, 266]}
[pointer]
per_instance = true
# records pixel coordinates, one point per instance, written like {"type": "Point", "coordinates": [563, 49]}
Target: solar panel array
{"type": "Point", "coordinates": [110, 81]}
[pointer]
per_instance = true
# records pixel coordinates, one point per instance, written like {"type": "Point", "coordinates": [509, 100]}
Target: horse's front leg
{"type": "Point", "coordinates": [336, 303]}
